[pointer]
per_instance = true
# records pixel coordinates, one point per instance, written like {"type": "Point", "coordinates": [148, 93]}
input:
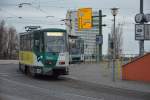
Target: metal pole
{"type": "Point", "coordinates": [141, 6]}
{"type": "Point", "coordinates": [113, 60]}
{"type": "Point", "coordinates": [114, 38]}
{"type": "Point", "coordinates": [141, 42]}
{"type": "Point", "coordinates": [100, 33]}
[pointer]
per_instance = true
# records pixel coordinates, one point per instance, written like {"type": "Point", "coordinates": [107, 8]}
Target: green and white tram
{"type": "Point", "coordinates": [76, 49]}
{"type": "Point", "coordinates": [44, 52]}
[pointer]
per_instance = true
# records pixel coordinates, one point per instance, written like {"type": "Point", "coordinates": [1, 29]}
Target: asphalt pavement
{"type": "Point", "coordinates": [81, 84]}
{"type": "Point", "coordinates": [102, 74]}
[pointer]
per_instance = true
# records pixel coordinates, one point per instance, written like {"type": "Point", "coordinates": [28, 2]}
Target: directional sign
{"type": "Point", "coordinates": [147, 31]}
{"type": "Point", "coordinates": [139, 31]}
{"type": "Point", "coordinates": [142, 32]}
{"type": "Point", "coordinates": [84, 18]}
{"type": "Point", "coordinates": [139, 17]}
{"type": "Point", "coordinates": [99, 39]}
{"type": "Point", "coordinates": [147, 17]}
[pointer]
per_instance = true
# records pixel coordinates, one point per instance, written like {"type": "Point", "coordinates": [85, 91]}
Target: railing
{"type": "Point", "coordinates": [9, 57]}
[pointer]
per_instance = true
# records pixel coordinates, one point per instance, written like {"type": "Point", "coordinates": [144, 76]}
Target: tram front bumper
{"type": "Point", "coordinates": [61, 70]}
{"type": "Point", "coordinates": [57, 70]}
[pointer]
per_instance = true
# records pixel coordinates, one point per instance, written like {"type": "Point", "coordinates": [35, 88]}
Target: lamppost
{"type": "Point", "coordinates": [114, 12]}
{"type": "Point", "coordinates": [141, 43]}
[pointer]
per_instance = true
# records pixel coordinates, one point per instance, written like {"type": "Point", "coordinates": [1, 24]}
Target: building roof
{"type": "Point", "coordinates": [136, 59]}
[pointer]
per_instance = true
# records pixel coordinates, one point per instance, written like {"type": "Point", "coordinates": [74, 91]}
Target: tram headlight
{"type": "Point", "coordinates": [62, 62]}
{"type": "Point", "coordinates": [48, 62]}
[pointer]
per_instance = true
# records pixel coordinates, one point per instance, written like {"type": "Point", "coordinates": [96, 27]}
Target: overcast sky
{"type": "Point", "coordinates": [36, 14]}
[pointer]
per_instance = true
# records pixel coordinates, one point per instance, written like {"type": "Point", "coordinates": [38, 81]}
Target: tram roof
{"type": "Point", "coordinates": [52, 30]}
{"type": "Point", "coordinates": [45, 30]}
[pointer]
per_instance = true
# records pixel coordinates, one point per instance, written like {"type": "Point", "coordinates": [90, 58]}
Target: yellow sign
{"type": "Point", "coordinates": [84, 18]}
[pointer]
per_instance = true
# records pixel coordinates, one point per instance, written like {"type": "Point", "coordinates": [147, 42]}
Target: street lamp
{"type": "Point", "coordinates": [114, 12]}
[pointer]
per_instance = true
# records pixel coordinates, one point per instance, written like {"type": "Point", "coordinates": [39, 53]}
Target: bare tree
{"type": "Point", "coordinates": [119, 39]}
{"type": "Point", "coordinates": [3, 38]}
{"type": "Point", "coordinates": [2, 25]}
{"type": "Point", "coordinates": [116, 40]}
{"type": "Point", "coordinates": [12, 42]}
{"type": "Point", "coordinates": [8, 41]}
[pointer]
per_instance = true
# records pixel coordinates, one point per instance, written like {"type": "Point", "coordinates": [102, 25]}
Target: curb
{"type": "Point", "coordinates": [9, 61]}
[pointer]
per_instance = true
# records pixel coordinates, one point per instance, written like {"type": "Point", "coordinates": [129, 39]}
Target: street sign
{"type": "Point", "coordinates": [147, 17]}
{"type": "Point", "coordinates": [99, 39]}
{"type": "Point", "coordinates": [142, 31]}
{"type": "Point", "coordinates": [84, 18]}
{"type": "Point", "coordinates": [139, 31]}
{"type": "Point", "coordinates": [147, 31]}
{"type": "Point", "coordinates": [139, 17]}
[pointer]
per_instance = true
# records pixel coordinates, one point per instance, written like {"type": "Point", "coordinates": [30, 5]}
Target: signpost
{"type": "Point", "coordinates": [147, 31]}
{"type": "Point", "coordinates": [85, 23]}
{"type": "Point", "coordinates": [139, 31]}
{"type": "Point", "coordinates": [142, 31]}
{"type": "Point", "coordinates": [147, 17]}
{"type": "Point", "coordinates": [99, 39]}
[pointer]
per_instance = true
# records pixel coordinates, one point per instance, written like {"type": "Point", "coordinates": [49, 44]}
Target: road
{"type": "Point", "coordinates": [14, 85]}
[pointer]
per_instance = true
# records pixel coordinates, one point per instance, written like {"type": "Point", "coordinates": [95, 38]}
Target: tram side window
{"type": "Point", "coordinates": [26, 42]}
{"type": "Point", "coordinates": [29, 42]}
{"type": "Point", "coordinates": [38, 42]}
{"type": "Point", "coordinates": [21, 42]}
{"type": "Point", "coordinates": [37, 45]}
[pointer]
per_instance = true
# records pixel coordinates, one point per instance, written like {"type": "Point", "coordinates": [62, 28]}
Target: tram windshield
{"type": "Point", "coordinates": [55, 42]}
{"type": "Point", "coordinates": [76, 47]}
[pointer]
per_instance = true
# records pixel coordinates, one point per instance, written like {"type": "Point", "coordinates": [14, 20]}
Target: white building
{"type": "Point", "coordinates": [88, 35]}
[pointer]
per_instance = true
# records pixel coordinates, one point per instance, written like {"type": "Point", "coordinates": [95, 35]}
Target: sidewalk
{"type": "Point", "coordinates": [9, 61]}
{"type": "Point", "coordinates": [101, 74]}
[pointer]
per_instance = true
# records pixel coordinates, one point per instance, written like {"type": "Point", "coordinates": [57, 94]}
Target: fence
{"type": "Point", "coordinates": [13, 56]}
{"type": "Point", "coordinates": [123, 59]}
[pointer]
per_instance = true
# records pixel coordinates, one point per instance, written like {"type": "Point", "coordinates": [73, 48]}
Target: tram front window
{"type": "Point", "coordinates": [55, 42]}
{"type": "Point", "coordinates": [74, 48]}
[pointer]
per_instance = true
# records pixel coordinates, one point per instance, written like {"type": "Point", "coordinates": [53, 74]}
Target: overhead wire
{"type": "Point", "coordinates": [40, 5]}
{"type": "Point", "coordinates": [37, 21]}
{"type": "Point", "coordinates": [8, 12]}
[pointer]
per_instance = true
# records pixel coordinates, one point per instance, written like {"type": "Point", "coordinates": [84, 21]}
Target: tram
{"type": "Point", "coordinates": [76, 49]}
{"type": "Point", "coordinates": [44, 52]}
